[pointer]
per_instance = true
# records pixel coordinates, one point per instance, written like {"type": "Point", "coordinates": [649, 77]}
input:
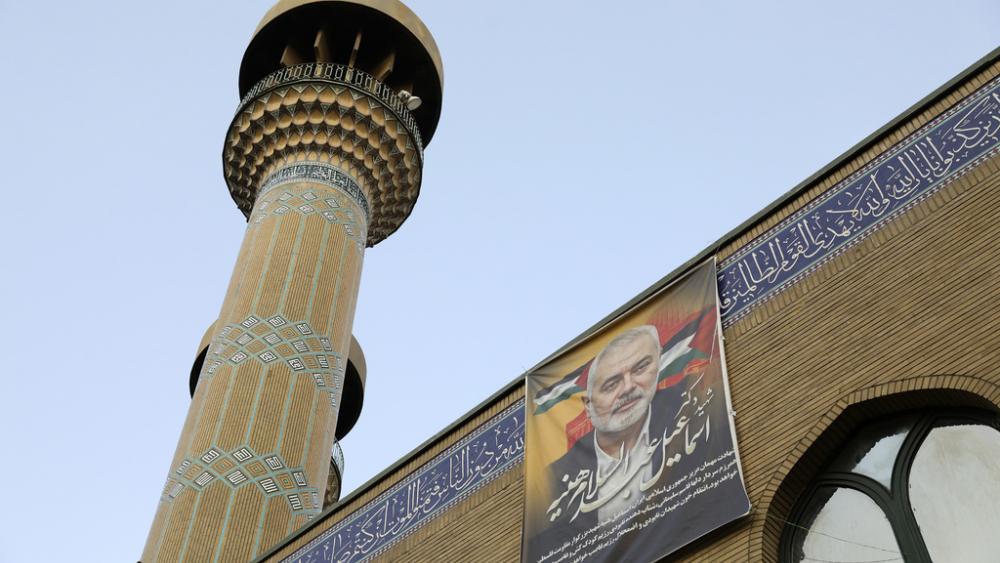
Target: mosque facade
{"type": "Point", "coordinates": [859, 316]}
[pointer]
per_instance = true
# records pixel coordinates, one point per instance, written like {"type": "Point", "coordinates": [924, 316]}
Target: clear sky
{"type": "Point", "coordinates": [585, 150]}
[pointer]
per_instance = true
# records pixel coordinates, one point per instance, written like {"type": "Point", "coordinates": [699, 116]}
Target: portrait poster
{"type": "Point", "coordinates": [630, 444]}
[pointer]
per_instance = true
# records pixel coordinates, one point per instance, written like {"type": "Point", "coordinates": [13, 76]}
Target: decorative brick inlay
{"type": "Point", "coordinates": [327, 115]}
{"type": "Point", "coordinates": [302, 200]}
{"type": "Point", "coordinates": [241, 467]}
{"type": "Point", "coordinates": [321, 173]}
{"type": "Point", "coordinates": [277, 339]}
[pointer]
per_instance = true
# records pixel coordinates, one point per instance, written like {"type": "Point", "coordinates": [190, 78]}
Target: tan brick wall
{"type": "Point", "coordinates": [355, 503]}
{"type": "Point", "coordinates": [911, 308]}
{"type": "Point", "coordinates": [910, 303]}
{"type": "Point", "coordinates": [295, 269]}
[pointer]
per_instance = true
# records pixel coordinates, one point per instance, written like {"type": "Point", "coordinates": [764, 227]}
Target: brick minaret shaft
{"type": "Point", "coordinates": [324, 155]}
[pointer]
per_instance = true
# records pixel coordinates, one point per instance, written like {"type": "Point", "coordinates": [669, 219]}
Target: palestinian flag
{"type": "Point", "coordinates": [682, 352]}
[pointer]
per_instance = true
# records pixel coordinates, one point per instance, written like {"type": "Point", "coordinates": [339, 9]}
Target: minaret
{"type": "Point", "coordinates": [324, 157]}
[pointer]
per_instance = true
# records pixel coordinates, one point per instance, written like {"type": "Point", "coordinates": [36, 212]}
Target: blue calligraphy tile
{"type": "Point", "coordinates": [850, 211]}
{"type": "Point", "coordinates": [447, 479]}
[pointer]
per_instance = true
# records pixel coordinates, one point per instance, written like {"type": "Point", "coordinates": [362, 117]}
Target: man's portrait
{"type": "Point", "coordinates": [629, 434]}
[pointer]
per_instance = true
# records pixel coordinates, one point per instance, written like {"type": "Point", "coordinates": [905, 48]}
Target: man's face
{"type": "Point", "coordinates": [624, 385]}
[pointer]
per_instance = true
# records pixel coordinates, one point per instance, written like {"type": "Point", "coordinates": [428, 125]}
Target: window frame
{"type": "Point", "coordinates": [895, 503]}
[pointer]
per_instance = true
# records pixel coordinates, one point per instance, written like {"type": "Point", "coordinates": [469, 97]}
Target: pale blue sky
{"type": "Point", "coordinates": [585, 150]}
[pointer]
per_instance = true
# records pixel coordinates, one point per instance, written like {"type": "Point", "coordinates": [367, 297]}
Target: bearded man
{"type": "Point", "coordinates": [621, 474]}
{"type": "Point", "coordinates": [620, 388]}
{"type": "Point", "coordinates": [622, 452]}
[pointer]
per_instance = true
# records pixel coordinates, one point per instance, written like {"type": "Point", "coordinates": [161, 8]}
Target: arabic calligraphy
{"type": "Point", "coordinates": [445, 480]}
{"type": "Point", "coordinates": [660, 502]}
{"type": "Point", "coordinates": [900, 178]}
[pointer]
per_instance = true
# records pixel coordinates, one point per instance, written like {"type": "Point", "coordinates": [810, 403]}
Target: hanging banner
{"type": "Point", "coordinates": [630, 444]}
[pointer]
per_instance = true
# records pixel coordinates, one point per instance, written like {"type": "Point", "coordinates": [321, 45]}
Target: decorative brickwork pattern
{"type": "Point", "coordinates": [274, 340]}
{"type": "Point", "coordinates": [280, 198]}
{"type": "Point", "coordinates": [323, 159]}
{"type": "Point", "coordinates": [310, 116]}
{"type": "Point", "coordinates": [339, 74]}
{"type": "Point", "coordinates": [273, 376]}
{"type": "Point", "coordinates": [242, 467]}
{"type": "Point", "coordinates": [316, 172]}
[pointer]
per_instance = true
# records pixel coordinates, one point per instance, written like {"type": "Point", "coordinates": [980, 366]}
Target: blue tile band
{"type": "Point", "coordinates": [897, 180]}
{"type": "Point", "coordinates": [449, 478]}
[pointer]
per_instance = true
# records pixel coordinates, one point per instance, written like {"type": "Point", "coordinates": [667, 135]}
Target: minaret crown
{"type": "Point", "coordinates": [383, 38]}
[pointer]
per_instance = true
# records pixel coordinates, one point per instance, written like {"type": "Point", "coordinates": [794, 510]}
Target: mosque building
{"type": "Point", "coordinates": [850, 340]}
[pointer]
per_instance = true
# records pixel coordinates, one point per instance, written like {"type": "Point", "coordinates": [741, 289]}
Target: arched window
{"type": "Point", "coordinates": [915, 487]}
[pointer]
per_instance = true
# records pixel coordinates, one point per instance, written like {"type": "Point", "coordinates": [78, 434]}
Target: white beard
{"type": "Point", "coordinates": [619, 422]}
